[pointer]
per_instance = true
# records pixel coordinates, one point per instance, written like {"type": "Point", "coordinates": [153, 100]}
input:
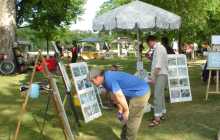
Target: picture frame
{"type": "Point", "coordinates": [213, 61]}
{"type": "Point", "coordinates": [86, 92]}
{"type": "Point", "coordinates": [65, 76]}
{"type": "Point", "coordinates": [178, 79]}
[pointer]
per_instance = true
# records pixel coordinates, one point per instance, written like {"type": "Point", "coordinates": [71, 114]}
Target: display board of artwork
{"type": "Point", "coordinates": [86, 93]}
{"type": "Point", "coordinates": [65, 76]}
{"type": "Point", "coordinates": [216, 39]}
{"type": "Point", "coordinates": [213, 61]}
{"type": "Point", "coordinates": [178, 79]}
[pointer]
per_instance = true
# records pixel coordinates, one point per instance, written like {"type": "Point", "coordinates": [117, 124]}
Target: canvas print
{"type": "Point", "coordinates": [83, 98]}
{"type": "Point", "coordinates": [181, 61]}
{"type": "Point", "coordinates": [80, 85]}
{"type": "Point", "coordinates": [83, 70]}
{"type": "Point", "coordinates": [184, 82]}
{"type": "Point", "coordinates": [171, 61]}
{"type": "Point", "coordinates": [95, 108]}
{"type": "Point", "coordinates": [87, 83]}
{"type": "Point", "coordinates": [172, 72]}
{"type": "Point", "coordinates": [182, 71]}
{"type": "Point", "coordinates": [175, 94]}
{"type": "Point", "coordinates": [76, 71]}
{"type": "Point", "coordinates": [88, 111]}
{"type": "Point", "coordinates": [185, 92]}
{"type": "Point", "coordinates": [174, 83]}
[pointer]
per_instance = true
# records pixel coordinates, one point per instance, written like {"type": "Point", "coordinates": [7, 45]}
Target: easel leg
{"type": "Point", "coordinates": [45, 115]}
{"type": "Point", "coordinates": [23, 109]}
{"type": "Point", "coordinates": [100, 100]}
{"type": "Point", "coordinates": [71, 104]}
{"type": "Point", "coordinates": [68, 99]}
{"type": "Point", "coordinates": [217, 81]}
{"type": "Point", "coordinates": [208, 86]}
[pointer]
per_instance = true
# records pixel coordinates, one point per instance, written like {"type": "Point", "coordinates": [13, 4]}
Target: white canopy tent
{"type": "Point", "coordinates": [137, 16]}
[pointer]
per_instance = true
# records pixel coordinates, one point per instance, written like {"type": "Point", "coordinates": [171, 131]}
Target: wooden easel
{"type": "Point", "coordinates": [56, 99]}
{"type": "Point", "coordinates": [208, 86]}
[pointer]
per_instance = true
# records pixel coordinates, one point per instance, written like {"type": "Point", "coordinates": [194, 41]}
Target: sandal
{"type": "Point", "coordinates": [163, 118]}
{"type": "Point", "coordinates": [154, 123]}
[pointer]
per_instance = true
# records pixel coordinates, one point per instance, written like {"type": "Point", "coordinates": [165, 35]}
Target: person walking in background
{"type": "Point", "coordinates": [195, 49]}
{"type": "Point", "coordinates": [129, 93]}
{"type": "Point", "coordinates": [175, 46]}
{"type": "Point", "coordinates": [159, 72]}
{"type": "Point", "coordinates": [74, 52]}
{"type": "Point", "coordinates": [205, 47]}
{"type": "Point", "coordinates": [189, 50]}
{"type": "Point", "coordinates": [141, 47]}
{"type": "Point", "coordinates": [165, 43]}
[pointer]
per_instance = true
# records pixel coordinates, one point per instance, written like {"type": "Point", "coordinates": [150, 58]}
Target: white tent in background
{"type": "Point", "coordinates": [135, 16]}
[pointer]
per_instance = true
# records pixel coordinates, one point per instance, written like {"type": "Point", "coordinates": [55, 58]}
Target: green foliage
{"type": "Point", "coordinates": [196, 120]}
{"type": "Point", "coordinates": [200, 18]}
{"type": "Point", "coordinates": [64, 35]}
{"type": "Point", "coordinates": [47, 16]}
{"type": "Point", "coordinates": [108, 5]}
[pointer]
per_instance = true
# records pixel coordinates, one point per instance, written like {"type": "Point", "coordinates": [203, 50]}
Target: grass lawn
{"type": "Point", "coordinates": [196, 120]}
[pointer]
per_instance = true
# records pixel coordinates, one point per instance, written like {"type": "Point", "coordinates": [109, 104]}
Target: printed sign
{"type": "Point", "coordinates": [216, 39]}
{"type": "Point", "coordinates": [86, 92]}
{"type": "Point", "coordinates": [178, 79]}
{"type": "Point", "coordinates": [213, 60]}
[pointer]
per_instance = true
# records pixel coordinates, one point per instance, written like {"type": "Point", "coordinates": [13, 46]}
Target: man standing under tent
{"type": "Point", "coordinates": [159, 72]}
{"type": "Point", "coordinates": [130, 94]}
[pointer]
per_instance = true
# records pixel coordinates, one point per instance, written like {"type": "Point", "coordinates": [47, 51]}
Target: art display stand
{"type": "Point", "coordinates": [213, 65]}
{"type": "Point", "coordinates": [68, 99]}
{"type": "Point", "coordinates": [208, 90]}
{"type": "Point", "coordinates": [56, 99]}
{"type": "Point", "coordinates": [85, 90]}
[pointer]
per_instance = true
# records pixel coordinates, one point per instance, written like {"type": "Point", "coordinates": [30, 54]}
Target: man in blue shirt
{"type": "Point", "coordinates": [129, 93]}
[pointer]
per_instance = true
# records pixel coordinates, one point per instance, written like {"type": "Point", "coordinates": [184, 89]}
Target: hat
{"type": "Point", "coordinates": [93, 73]}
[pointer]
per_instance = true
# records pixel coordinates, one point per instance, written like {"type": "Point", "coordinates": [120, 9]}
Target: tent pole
{"type": "Point", "coordinates": [138, 45]}
{"type": "Point", "coordinates": [179, 41]}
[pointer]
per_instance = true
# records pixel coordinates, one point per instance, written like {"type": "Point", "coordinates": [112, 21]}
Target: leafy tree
{"type": "Point", "coordinates": [7, 27]}
{"type": "Point", "coordinates": [47, 16]}
{"type": "Point", "coordinates": [108, 5]}
{"type": "Point", "coordinates": [200, 18]}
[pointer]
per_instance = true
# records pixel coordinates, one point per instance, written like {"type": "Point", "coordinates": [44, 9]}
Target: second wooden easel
{"type": "Point", "coordinates": [56, 98]}
{"type": "Point", "coordinates": [208, 91]}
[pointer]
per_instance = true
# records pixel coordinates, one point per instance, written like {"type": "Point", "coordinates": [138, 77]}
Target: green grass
{"type": "Point", "coordinates": [196, 120]}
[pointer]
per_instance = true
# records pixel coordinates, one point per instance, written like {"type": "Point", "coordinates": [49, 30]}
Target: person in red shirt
{"type": "Point", "coordinates": [74, 51]}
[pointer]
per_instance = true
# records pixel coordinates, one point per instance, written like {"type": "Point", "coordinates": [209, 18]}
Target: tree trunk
{"type": "Point", "coordinates": [7, 27]}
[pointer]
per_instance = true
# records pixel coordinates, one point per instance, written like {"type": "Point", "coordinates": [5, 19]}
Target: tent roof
{"type": "Point", "coordinates": [90, 39]}
{"type": "Point", "coordinates": [137, 14]}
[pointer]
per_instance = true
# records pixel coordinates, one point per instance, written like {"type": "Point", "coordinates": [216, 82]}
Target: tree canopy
{"type": "Point", "coordinates": [47, 16]}
{"type": "Point", "coordinates": [200, 18]}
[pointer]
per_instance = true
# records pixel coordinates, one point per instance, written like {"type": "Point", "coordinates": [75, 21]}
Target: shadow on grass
{"type": "Point", "coordinates": [100, 131]}
{"type": "Point", "coordinates": [196, 120]}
